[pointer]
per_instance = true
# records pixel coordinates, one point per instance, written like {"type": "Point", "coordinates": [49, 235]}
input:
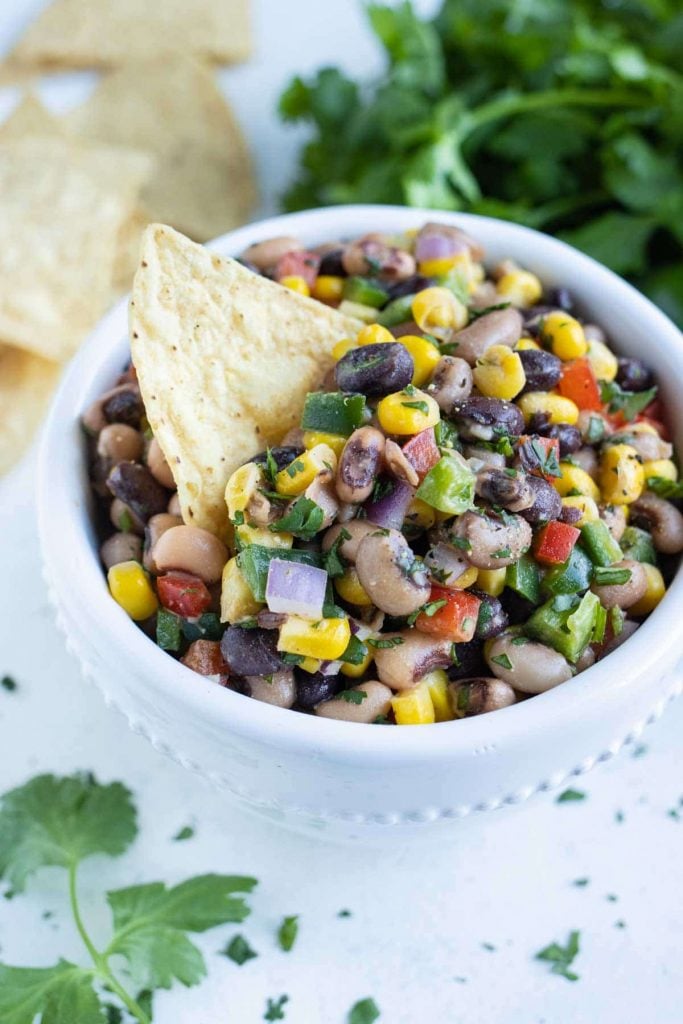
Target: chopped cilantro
{"type": "Point", "coordinates": [303, 519]}
{"type": "Point", "coordinates": [381, 489]}
{"type": "Point", "coordinates": [365, 1011]}
{"type": "Point", "coordinates": [562, 957]}
{"type": "Point", "coordinates": [275, 1008]}
{"type": "Point", "coordinates": [186, 832]}
{"type": "Point", "coordinates": [461, 542]}
{"type": "Point", "coordinates": [595, 431]}
{"type": "Point", "coordinates": [429, 609]}
{"type": "Point", "coordinates": [294, 467]}
{"type": "Point", "coordinates": [238, 518]}
{"type": "Point", "coordinates": [168, 630]}
{"type": "Point", "coordinates": [352, 696]}
{"type": "Point", "coordinates": [569, 796]}
{"type": "Point", "coordinates": [287, 932]}
{"type": "Point", "coordinates": [344, 913]}
{"type": "Point", "coordinates": [502, 660]}
{"type": "Point", "coordinates": [422, 407]}
{"type": "Point", "coordinates": [386, 642]}
{"type": "Point", "coordinates": [355, 652]}
{"type": "Point", "coordinates": [333, 560]}
{"type": "Point", "coordinates": [125, 521]}
{"type": "Point", "coordinates": [8, 683]}
{"type": "Point", "coordinates": [628, 403]}
{"type": "Point", "coordinates": [475, 314]}
{"type": "Point", "coordinates": [581, 883]}
{"type": "Point", "coordinates": [239, 951]}
{"type": "Point", "coordinates": [519, 641]}
{"type": "Point", "coordinates": [270, 469]}
{"type": "Point", "coordinates": [664, 488]}
{"type": "Point", "coordinates": [502, 553]}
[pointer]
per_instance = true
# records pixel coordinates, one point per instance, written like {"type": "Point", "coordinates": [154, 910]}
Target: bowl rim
{"type": "Point", "coordinates": [66, 544]}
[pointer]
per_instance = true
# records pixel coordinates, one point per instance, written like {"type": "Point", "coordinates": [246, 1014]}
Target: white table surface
{"type": "Point", "coordinates": [420, 916]}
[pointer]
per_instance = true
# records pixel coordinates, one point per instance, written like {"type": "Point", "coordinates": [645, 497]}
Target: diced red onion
{"type": "Point", "coordinates": [390, 511]}
{"type": "Point", "coordinates": [330, 668]}
{"type": "Point", "coordinates": [448, 561]}
{"type": "Point", "coordinates": [295, 589]}
{"type": "Point", "coordinates": [433, 246]}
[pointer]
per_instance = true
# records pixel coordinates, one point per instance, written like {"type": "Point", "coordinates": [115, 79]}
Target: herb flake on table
{"type": "Point", "coordinates": [239, 951]}
{"type": "Point", "coordinates": [275, 1008]}
{"type": "Point", "coordinates": [570, 796]}
{"type": "Point", "coordinates": [8, 683]}
{"type": "Point", "coordinates": [365, 1011]}
{"type": "Point", "coordinates": [562, 957]}
{"type": "Point", "coordinates": [186, 832]}
{"type": "Point", "coordinates": [287, 932]}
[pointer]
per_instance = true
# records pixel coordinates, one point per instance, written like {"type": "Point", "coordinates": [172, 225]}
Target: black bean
{"type": "Point", "coordinates": [470, 661]}
{"type": "Point", "coordinates": [137, 488]}
{"type": "Point", "coordinates": [541, 369]}
{"type": "Point", "coordinates": [312, 688]}
{"type": "Point", "coordinates": [375, 369]}
{"type": "Point", "coordinates": [561, 298]}
{"type": "Point", "coordinates": [547, 504]}
{"type": "Point", "coordinates": [283, 455]}
{"type": "Point", "coordinates": [474, 415]}
{"type": "Point", "coordinates": [331, 264]}
{"type": "Point", "coordinates": [634, 375]}
{"type": "Point", "coordinates": [539, 423]}
{"type": "Point", "coordinates": [251, 652]}
{"type": "Point", "coordinates": [492, 618]}
{"type": "Point", "coordinates": [568, 436]}
{"type": "Point", "coordinates": [503, 487]}
{"type": "Point", "coordinates": [517, 608]}
{"type": "Point", "coordinates": [410, 286]}
{"type": "Point", "coordinates": [124, 407]}
{"type": "Point", "coordinates": [533, 317]}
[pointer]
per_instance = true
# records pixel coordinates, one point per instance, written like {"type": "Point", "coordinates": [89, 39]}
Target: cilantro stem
{"type": "Point", "coordinates": [507, 106]}
{"type": "Point", "coordinates": [100, 961]}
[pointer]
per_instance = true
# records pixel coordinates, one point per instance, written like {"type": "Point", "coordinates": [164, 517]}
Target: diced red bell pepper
{"type": "Point", "coordinates": [298, 264]}
{"type": "Point", "coordinates": [578, 382]}
{"type": "Point", "coordinates": [455, 620]}
{"type": "Point", "coordinates": [183, 593]}
{"type": "Point", "coordinates": [553, 544]}
{"type": "Point", "coordinates": [550, 450]}
{"type": "Point", "coordinates": [422, 452]}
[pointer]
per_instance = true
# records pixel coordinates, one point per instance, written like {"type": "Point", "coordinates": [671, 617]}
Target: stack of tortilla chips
{"type": "Point", "coordinates": [156, 141]}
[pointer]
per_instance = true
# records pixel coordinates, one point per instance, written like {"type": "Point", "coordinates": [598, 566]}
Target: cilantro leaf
{"type": "Point", "coordinates": [239, 951]}
{"type": "Point", "coordinates": [287, 932]}
{"type": "Point", "coordinates": [352, 696]}
{"type": "Point", "coordinates": [569, 796]}
{"type": "Point", "coordinates": [303, 518]}
{"type": "Point", "coordinates": [365, 1011]}
{"type": "Point", "coordinates": [628, 403]}
{"type": "Point", "coordinates": [150, 922]}
{"type": "Point", "coordinates": [62, 994]}
{"type": "Point", "coordinates": [58, 821]}
{"type": "Point", "coordinates": [665, 488]}
{"type": "Point", "coordinates": [275, 1008]}
{"type": "Point", "coordinates": [8, 683]}
{"type": "Point", "coordinates": [562, 957]}
{"type": "Point", "coordinates": [333, 560]}
{"type": "Point", "coordinates": [186, 832]}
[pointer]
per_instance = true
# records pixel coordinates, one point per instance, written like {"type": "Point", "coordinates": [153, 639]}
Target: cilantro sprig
{"type": "Point", "coordinates": [59, 822]}
{"type": "Point", "coordinates": [628, 403]}
{"type": "Point", "coordinates": [562, 957]}
{"type": "Point", "coordinates": [303, 519]}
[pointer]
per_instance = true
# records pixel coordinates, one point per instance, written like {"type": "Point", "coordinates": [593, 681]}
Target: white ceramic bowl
{"type": "Point", "coordinates": [343, 779]}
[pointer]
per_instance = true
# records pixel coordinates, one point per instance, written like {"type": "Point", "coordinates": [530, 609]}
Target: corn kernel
{"type": "Point", "coordinates": [524, 344]}
{"type": "Point", "coordinates": [328, 288]}
{"type": "Point", "coordinates": [564, 335]}
{"type": "Point", "coordinates": [302, 471]}
{"type": "Point", "coordinates": [310, 665]}
{"type": "Point", "coordinates": [574, 478]}
{"type": "Point", "coordinates": [130, 587]}
{"type": "Point", "coordinates": [437, 267]}
{"type": "Point", "coordinates": [237, 600]}
{"type": "Point", "coordinates": [654, 593]}
{"type": "Point", "coordinates": [425, 357]}
{"type": "Point", "coordinates": [340, 348]}
{"type": "Point", "coordinates": [587, 506]}
{"type": "Point", "coordinates": [603, 361]}
{"type": "Point", "coordinates": [414, 706]}
{"type": "Point", "coordinates": [239, 489]}
{"type": "Point", "coordinates": [499, 373]}
{"type": "Point", "coordinates": [356, 671]}
{"type": "Point", "coordinates": [407, 412]}
{"type": "Point", "coordinates": [491, 581]}
{"type": "Point", "coordinates": [420, 515]}
{"type": "Point", "coordinates": [315, 437]}
{"type": "Point", "coordinates": [295, 283]}
{"type": "Point", "coordinates": [520, 287]}
{"type": "Point", "coordinates": [325, 639]}
{"type": "Point", "coordinates": [559, 409]}
{"type": "Point", "coordinates": [467, 579]}
{"type": "Point", "coordinates": [621, 475]}
{"type": "Point", "coordinates": [261, 535]}
{"type": "Point", "coordinates": [349, 589]}
{"type": "Point", "coordinates": [661, 467]}
{"type": "Point", "coordinates": [374, 334]}
{"type": "Point", "coordinates": [437, 685]}
{"type": "Point", "coordinates": [436, 310]}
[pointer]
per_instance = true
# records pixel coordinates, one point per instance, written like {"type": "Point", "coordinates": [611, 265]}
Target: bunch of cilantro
{"type": "Point", "coordinates": [565, 115]}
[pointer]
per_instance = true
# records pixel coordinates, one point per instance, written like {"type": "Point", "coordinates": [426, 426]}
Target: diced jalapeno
{"type": "Point", "coordinates": [600, 544]}
{"type": "Point", "coordinates": [524, 578]}
{"type": "Point", "coordinates": [566, 624]}
{"type": "Point", "coordinates": [449, 485]}
{"type": "Point", "coordinates": [368, 293]}
{"type": "Point", "coordinates": [333, 412]}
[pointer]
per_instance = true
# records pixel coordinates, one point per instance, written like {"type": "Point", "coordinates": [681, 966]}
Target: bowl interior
{"type": "Point", "coordinates": [634, 327]}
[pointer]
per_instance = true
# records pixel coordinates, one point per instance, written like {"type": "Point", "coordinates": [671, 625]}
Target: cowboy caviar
{"type": "Point", "coordinates": [480, 501]}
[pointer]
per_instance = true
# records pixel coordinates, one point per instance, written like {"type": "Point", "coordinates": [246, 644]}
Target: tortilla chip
{"type": "Point", "coordinates": [105, 33]}
{"type": "Point", "coordinates": [30, 117]}
{"type": "Point", "coordinates": [224, 359]}
{"type": "Point", "coordinates": [26, 384]}
{"type": "Point", "coordinates": [62, 208]}
{"type": "Point", "coordinates": [171, 106]}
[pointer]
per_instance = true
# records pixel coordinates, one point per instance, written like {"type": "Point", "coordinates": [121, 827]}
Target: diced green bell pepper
{"type": "Point", "coordinates": [637, 544]}
{"type": "Point", "coordinates": [397, 312]}
{"type": "Point", "coordinates": [524, 578]}
{"type": "Point", "coordinates": [169, 634]}
{"type": "Point", "coordinates": [571, 577]}
{"type": "Point", "coordinates": [333, 412]}
{"type": "Point", "coordinates": [449, 485]}
{"type": "Point", "coordinates": [359, 311]}
{"type": "Point", "coordinates": [368, 293]}
{"type": "Point", "coordinates": [254, 562]}
{"type": "Point", "coordinates": [566, 623]}
{"type": "Point", "coordinates": [600, 544]}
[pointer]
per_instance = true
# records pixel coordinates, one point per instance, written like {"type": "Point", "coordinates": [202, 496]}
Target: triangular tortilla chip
{"type": "Point", "coordinates": [104, 33]}
{"type": "Point", "coordinates": [30, 117]}
{"type": "Point", "coordinates": [26, 383]}
{"type": "Point", "coordinates": [171, 107]}
{"type": "Point", "coordinates": [224, 359]}
{"type": "Point", "coordinates": [62, 209]}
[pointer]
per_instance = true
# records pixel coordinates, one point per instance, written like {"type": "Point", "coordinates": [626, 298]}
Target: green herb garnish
{"type": "Point", "coordinates": [670, 489]}
{"type": "Point", "coordinates": [287, 932]}
{"type": "Point", "coordinates": [303, 519]}
{"type": "Point", "coordinates": [628, 403]}
{"type": "Point", "coordinates": [186, 832]}
{"type": "Point", "coordinates": [239, 951]}
{"type": "Point", "coordinates": [420, 406]}
{"type": "Point", "coordinates": [275, 1008]}
{"type": "Point", "coordinates": [606, 575]}
{"type": "Point", "coordinates": [502, 660]}
{"type": "Point", "coordinates": [168, 630]}
{"type": "Point", "coordinates": [562, 957]}
{"type": "Point", "coordinates": [569, 796]}
{"type": "Point", "coordinates": [385, 643]}
{"type": "Point", "coordinates": [352, 696]}
{"type": "Point", "coordinates": [365, 1011]}
{"type": "Point", "coordinates": [8, 683]}
{"type": "Point", "coordinates": [428, 609]}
